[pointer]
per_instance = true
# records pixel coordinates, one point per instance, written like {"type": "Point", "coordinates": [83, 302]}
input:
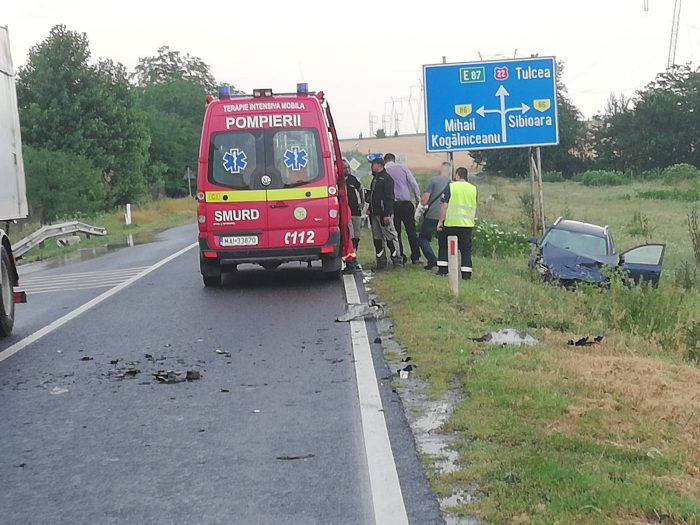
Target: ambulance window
{"type": "Point", "coordinates": [233, 159]}
{"type": "Point", "coordinates": [296, 155]}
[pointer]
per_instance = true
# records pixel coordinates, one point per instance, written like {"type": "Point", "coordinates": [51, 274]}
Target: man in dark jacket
{"type": "Point", "coordinates": [356, 201]}
{"type": "Point", "coordinates": [381, 211]}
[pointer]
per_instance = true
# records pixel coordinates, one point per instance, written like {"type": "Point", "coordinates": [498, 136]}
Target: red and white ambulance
{"type": "Point", "coordinates": [270, 183]}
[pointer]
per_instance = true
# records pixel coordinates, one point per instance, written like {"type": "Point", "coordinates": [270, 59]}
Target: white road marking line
{"type": "Point", "coordinates": [20, 345]}
{"type": "Point", "coordinates": [81, 276]}
{"type": "Point", "coordinates": [387, 498]}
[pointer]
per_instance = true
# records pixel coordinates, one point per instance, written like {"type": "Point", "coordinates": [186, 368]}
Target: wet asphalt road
{"type": "Point", "coordinates": [270, 434]}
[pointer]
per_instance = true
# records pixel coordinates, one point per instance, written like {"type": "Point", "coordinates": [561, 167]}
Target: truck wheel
{"type": "Point", "coordinates": [211, 274]}
{"type": "Point", "coordinates": [7, 303]}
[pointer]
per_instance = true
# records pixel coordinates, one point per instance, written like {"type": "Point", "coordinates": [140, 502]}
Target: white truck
{"type": "Point", "coordinates": [13, 197]}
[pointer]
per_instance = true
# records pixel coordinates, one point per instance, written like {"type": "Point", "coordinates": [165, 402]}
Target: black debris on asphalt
{"type": "Point", "coordinates": [295, 458]}
{"type": "Point", "coordinates": [86, 358]}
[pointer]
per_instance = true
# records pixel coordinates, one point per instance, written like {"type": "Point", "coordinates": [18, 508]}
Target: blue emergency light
{"type": "Point", "coordinates": [302, 89]}
{"type": "Point", "coordinates": [374, 156]}
{"type": "Point", "coordinates": [224, 92]}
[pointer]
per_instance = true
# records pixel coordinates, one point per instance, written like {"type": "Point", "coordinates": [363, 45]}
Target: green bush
{"type": "Point", "coordinates": [494, 240]}
{"type": "Point", "coordinates": [604, 178]}
{"type": "Point", "coordinates": [552, 176]}
{"type": "Point", "coordinates": [679, 172]}
{"type": "Point", "coordinates": [62, 184]}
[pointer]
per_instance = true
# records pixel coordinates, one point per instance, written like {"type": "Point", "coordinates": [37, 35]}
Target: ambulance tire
{"type": "Point", "coordinates": [332, 268]}
{"type": "Point", "coordinates": [270, 266]}
{"type": "Point", "coordinates": [211, 274]}
{"type": "Point", "coordinates": [7, 303]}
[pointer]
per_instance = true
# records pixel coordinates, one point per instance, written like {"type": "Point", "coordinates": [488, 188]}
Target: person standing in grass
{"type": "Point", "coordinates": [381, 211]}
{"type": "Point", "coordinates": [406, 192]}
{"type": "Point", "coordinates": [430, 200]}
{"type": "Point", "coordinates": [457, 217]}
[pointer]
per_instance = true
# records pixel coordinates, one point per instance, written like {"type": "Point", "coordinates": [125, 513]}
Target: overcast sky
{"type": "Point", "coordinates": [363, 53]}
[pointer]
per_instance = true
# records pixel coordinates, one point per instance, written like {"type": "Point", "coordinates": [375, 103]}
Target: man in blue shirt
{"type": "Point", "coordinates": [406, 192]}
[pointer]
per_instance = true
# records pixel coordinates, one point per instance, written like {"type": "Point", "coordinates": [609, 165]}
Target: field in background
{"type": "Point", "coordinates": [409, 149]}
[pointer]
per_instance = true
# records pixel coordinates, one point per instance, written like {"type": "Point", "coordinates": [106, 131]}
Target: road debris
{"type": "Point", "coordinates": [295, 458]}
{"type": "Point", "coordinates": [57, 391]}
{"type": "Point", "coordinates": [114, 361]}
{"type": "Point", "coordinates": [223, 353]}
{"type": "Point", "coordinates": [507, 337]}
{"type": "Point", "coordinates": [86, 358]}
{"type": "Point", "coordinates": [585, 341]}
{"type": "Point", "coordinates": [172, 376]}
{"type": "Point", "coordinates": [355, 312]}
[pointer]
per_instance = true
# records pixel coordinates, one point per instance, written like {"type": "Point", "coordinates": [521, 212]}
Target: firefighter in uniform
{"type": "Point", "coordinates": [457, 217]}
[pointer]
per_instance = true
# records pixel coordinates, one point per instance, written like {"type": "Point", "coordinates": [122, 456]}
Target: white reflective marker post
{"type": "Point", "coordinates": [127, 215]}
{"type": "Point", "coordinates": [453, 271]}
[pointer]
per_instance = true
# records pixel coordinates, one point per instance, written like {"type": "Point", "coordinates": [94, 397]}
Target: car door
{"type": "Point", "coordinates": [643, 263]}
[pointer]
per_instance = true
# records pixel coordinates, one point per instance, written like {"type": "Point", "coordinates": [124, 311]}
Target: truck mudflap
{"type": "Point", "coordinates": [330, 250]}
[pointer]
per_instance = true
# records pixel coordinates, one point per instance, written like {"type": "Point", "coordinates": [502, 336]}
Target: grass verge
{"type": "Point", "coordinates": [147, 220]}
{"type": "Point", "coordinates": [605, 434]}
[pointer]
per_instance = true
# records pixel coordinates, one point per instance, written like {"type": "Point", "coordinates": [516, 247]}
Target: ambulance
{"type": "Point", "coordinates": [270, 184]}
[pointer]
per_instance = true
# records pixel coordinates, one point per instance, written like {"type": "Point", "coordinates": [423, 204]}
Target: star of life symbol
{"type": "Point", "coordinates": [235, 160]}
{"type": "Point", "coordinates": [295, 158]}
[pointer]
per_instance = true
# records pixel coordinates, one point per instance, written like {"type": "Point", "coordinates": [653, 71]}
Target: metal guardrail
{"type": "Point", "coordinates": [54, 230]}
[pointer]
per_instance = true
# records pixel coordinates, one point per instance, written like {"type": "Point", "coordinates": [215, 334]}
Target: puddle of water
{"type": "Point", "coordinates": [426, 418]}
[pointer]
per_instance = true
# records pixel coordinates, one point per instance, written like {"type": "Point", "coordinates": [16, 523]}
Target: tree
{"type": "Point", "coordinates": [67, 104]}
{"type": "Point", "coordinates": [660, 128]}
{"type": "Point", "coordinates": [170, 65]}
{"type": "Point", "coordinates": [380, 133]}
{"type": "Point", "coordinates": [61, 184]}
{"type": "Point", "coordinates": [569, 157]}
{"type": "Point", "coordinates": [174, 113]}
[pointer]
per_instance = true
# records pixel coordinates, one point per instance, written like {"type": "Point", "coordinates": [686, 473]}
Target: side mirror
{"type": "Point", "coordinates": [532, 240]}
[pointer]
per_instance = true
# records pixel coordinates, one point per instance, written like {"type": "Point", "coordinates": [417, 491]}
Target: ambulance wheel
{"type": "Point", "coordinates": [7, 303]}
{"type": "Point", "coordinates": [211, 274]}
{"type": "Point", "coordinates": [270, 265]}
{"type": "Point", "coordinates": [331, 268]}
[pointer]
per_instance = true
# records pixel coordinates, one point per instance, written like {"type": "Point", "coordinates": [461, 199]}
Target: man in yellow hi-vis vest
{"type": "Point", "coordinates": [457, 217]}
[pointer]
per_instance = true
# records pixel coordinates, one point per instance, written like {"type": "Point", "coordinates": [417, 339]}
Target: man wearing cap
{"type": "Point", "coordinates": [381, 211]}
{"type": "Point", "coordinates": [406, 192]}
{"type": "Point", "coordinates": [457, 217]}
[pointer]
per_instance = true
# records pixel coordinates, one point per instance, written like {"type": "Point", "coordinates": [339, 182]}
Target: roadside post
{"type": "Point", "coordinates": [453, 269]}
{"type": "Point", "coordinates": [494, 105]}
{"type": "Point", "coordinates": [127, 214]}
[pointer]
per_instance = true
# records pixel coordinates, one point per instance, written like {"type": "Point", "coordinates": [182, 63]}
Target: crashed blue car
{"type": "Point", "coordinates": [572, 252]}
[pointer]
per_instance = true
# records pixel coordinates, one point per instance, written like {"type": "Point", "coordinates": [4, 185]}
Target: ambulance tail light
{"type": "Point", "coordinates": [332, 190]}
{"type": "Point", "coordinates": [333, 214]}
{"type": "Point", "coordinates": [327, 249]}
{"type": "Point", "coordinates": [262, 93]}
{"type": "Point", "coordinates": [202, 216]}
{"type": "Point", "coordinates": [200, 196]}
{"type": "Point", "coordinates": [209, 255]}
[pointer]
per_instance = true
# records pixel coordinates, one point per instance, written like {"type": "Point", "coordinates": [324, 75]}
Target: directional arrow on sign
{"type": "Point", "coordinates": [502, 93]}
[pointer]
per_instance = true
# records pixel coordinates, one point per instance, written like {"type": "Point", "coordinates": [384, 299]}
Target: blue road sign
{"type": "Point", "coordinates": [491, 105]}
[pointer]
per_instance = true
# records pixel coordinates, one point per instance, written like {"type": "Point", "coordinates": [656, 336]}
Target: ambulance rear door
{"type": "Point", "coordinates": [298, 195]}
{"type": "Point", "coordinates": [237, 209]}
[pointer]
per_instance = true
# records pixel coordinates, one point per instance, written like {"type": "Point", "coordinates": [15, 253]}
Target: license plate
{"type": "Point", "coordinates": [241, 240]}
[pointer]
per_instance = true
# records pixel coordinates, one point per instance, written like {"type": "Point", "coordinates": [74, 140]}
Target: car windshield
{"type": "Point", "coordinates": [286, 157]}
{"type": "Point", "coordinates": [576, 242]}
